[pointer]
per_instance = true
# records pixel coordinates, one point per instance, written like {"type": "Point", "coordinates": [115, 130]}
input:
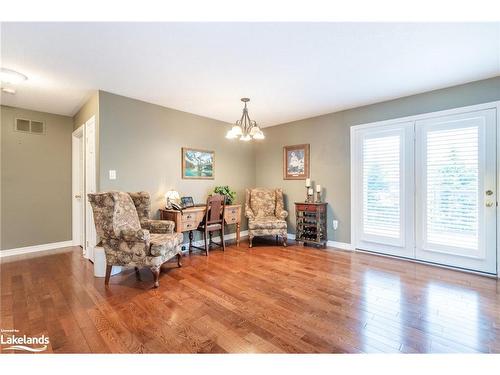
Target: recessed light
{"type": "Point", "coordinates": [11, 76]}
{"type": "Point", "coordinates": [8, 90]}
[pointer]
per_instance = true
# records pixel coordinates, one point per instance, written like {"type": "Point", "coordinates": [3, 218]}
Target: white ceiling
{"type": "Point", "coordinates": [289, 70]}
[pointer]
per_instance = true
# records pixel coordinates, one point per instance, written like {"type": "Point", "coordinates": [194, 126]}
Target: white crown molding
{"type": "Point", "coordinates": [35, 248]}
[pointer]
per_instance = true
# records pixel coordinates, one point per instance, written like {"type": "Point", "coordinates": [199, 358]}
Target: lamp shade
{"type": "Point", "coordinates": [171, 196]}
{"type": "Point", "coordinates": [236, 129]}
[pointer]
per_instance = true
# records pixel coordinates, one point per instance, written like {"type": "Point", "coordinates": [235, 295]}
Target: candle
{"type": "Point", "coordinates": [308, 182]}
{"type": "Point", "coordinates": [310, 191]}
{"type": "Point", "coordinates": [318, 188]}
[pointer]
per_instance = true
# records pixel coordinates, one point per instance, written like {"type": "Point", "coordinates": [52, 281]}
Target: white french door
{"type": "Point", "coordinates": [426, 189]}
{"type": "Point", "coordinates": [384, 189]}
{"type": "Point", "coordinates": [456, 190]}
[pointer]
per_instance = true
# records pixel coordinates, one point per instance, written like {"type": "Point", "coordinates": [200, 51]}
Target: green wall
{"type": "Point", "coordinates": [35, 179]}
{"type": "Point", "coordinates": [143, 142]}
{"type": "Point", "coordinates": [329, 137]}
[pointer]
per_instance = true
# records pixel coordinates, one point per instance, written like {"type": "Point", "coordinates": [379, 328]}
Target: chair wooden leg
{"type": "Point", "coordinates": [277, 239]}
{"type": "Point", "coordinates": [210, 239]}
{"type": "Point", "coordinates": [156, 275]}
{"type": "Point", "coordinates": [190, 240]}
{"type": "Point", "coordinates": [222, 239]}
{"type": "Point", "coordinates": [284, 241]}
{"type": "Point", "coordinates": [250, 238]}
{"type": "Point", "coordinates": [179, 260]}
{"type": "Point", "coordinates": [206, 242]}
{"type": "Point", "coordinates": [108, 275]}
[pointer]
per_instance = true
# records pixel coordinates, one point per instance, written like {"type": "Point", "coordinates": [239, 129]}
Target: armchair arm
{"type": "Point", "coordinates": [249, 213]}
{"type": "Point", "coordinates": [128, 235]}
{"type": "Point", "coordinates": [136, 242]}
{"type": "Point", "coordinates": [159, 226]}
{"type": "Point", "coordinates": [282, 215]}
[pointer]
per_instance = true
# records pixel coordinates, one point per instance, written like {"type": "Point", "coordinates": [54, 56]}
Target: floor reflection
{"type": "Point", "coordinates": [381, 306]}
{"type": "Point", "coordinates": [452, 313]}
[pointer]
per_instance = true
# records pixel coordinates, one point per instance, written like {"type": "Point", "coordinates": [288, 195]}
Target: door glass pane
{"type": "Point", "coordinates": [381, 186]}
{"type": "Point", "coordinates": [452, 187]}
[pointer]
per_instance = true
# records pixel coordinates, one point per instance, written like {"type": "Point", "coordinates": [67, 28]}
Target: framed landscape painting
{"type": "Point", "coordinates": [198, 164]}
{"type": "Point", "coordinates": [296, 162]}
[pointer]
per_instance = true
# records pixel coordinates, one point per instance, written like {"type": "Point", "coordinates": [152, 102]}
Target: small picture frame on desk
{"type": "Point", "coordinates": [187, 202]}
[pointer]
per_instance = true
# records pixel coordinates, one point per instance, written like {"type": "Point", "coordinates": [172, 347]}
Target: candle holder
{"type": "Point", "coordinates": [318, 197]}
{"type": "Point", "coordinates": [308, 197]}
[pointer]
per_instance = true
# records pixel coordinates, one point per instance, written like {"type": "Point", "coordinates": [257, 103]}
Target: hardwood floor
{"type": "Point", "coordinates": [267, 299]}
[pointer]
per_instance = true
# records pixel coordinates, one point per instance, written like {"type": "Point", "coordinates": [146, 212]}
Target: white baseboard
{"type": "Point", "coordinates": [230, 236]}
{"type": "Point", "coordinates": [334, 244]}
{"type": "Point", "coordinates": [340, 245]}
{"type": "Point", "coordinates": [35, 248]}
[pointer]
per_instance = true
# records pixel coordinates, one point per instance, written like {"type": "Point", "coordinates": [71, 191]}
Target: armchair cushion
{"type": "Point", "coordinates": [263, 202]}
{"type": "Point", "coordinates": [162, 244]}
{"type": "Point", "coordinates": [267, 222]}
{"type": "Point", "coordinates": [125, 215]}
{"type": "Point", "coordinates": [142, 202]}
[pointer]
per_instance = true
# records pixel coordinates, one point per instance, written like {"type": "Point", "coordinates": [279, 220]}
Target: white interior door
{"type": "Point", "coordinates": [384, 189]}
{"type": "Point", "coordinates": [456, 190]}
{"type": "Point", "coordinates": [78, 190]}
{"type": "Point", "coordinates": [90, 186]}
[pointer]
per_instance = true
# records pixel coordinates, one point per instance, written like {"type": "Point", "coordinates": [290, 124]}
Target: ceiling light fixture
{"type": "Point", "coordinates": [11, 77]}
{"type": "Point", "coordinates": [245, 129]}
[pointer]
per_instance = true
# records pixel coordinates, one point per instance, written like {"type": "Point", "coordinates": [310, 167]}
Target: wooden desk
{"type": "Point", "coordinates": [189, 219]}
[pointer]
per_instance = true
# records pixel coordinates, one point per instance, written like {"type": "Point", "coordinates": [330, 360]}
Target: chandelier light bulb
{"type": "Point", "coordinates": [259, 135]}
{"type": "Point", "coordinates": [245, 128]}
{"type": "Point", "coordinates": [245, 138]}
{"type": "Point", "coordinates": [230, 135]}
{"type": "Point", "coordinates": [236, 129]}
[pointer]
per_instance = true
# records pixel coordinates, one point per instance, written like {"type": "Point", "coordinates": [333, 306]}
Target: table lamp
{"type": "Point", "coordinates": [171, 196]}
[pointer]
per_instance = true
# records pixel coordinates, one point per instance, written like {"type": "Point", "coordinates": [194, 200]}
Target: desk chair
{"type": "Point", "coordinates": [213, 221]}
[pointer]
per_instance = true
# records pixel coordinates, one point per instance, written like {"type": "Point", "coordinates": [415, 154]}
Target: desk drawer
{"type": "Point", "coordinates": [232, 219]}
{"type": "Point", "coordinates": [188, 216]}
{"type": "Point", "coordinates": [232, 211]}
{"type": "Point", "coordinates": [305, 207]}
{"type": "Point", "coordinates": [189, 225]}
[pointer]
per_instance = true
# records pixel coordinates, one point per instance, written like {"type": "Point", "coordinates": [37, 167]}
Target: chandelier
{"type": "Point", "coordinates": [245, 129]}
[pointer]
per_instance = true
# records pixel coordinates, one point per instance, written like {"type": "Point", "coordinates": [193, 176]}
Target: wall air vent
{"type": "Point", "coordinates": [29, 126]}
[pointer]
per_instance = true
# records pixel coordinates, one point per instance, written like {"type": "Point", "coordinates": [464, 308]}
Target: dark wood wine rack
{"type": "Point", "coordinates": [311, 223]}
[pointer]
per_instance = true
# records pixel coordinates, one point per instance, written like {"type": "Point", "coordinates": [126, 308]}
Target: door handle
{"type": "Point", "coordinates": [489, 192]}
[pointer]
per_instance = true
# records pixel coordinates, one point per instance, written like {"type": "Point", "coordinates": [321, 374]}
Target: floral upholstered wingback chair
{"type": "Point", "coordinates": [264, 209]}
{"type": "Point", "coordinates": [129, 237]}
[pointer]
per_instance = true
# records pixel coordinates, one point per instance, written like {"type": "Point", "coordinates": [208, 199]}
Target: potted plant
{"type": "Point", "coordinates": [227, 192]}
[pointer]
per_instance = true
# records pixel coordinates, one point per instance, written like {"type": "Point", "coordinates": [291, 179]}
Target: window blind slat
{"type": "Point", "coordinates": [381, 181]}
{"type": "Point", "coordinates": [452, 168]}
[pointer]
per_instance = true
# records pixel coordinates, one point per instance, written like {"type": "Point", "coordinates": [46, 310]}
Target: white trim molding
{"type": "Point", "coordinates": [35, 248]}
{"type": "Point", "coordinates": [340, 245]}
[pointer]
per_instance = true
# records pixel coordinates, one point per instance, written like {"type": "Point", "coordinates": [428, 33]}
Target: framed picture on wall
{"type": "Point", "coordinates": [198, 164]}
{"type": "Point", "coordinates": [296, 162]}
